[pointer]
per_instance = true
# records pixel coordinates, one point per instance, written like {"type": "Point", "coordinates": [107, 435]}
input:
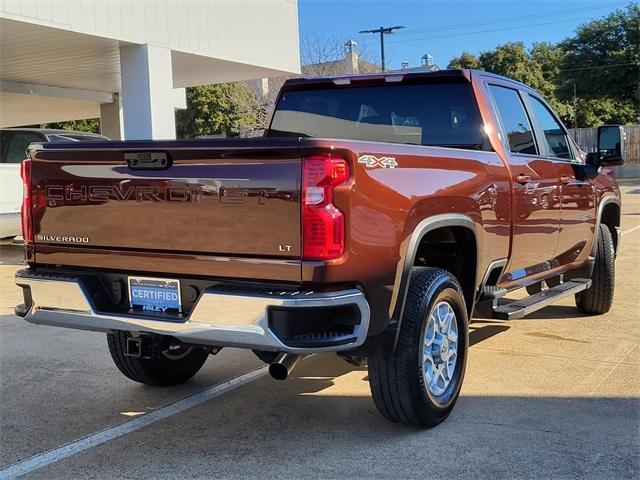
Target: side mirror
{"type": "Point", "coordinates": [611, 151]}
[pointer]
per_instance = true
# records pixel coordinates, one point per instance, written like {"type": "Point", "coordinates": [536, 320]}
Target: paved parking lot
{"type": "Point", "coordinates": [555, 395]}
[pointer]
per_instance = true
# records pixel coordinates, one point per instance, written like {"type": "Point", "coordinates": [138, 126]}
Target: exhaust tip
{"type": "Point", "coordinates": [278, 371]}
{"type": "Point", "coordinates": [281, 367]}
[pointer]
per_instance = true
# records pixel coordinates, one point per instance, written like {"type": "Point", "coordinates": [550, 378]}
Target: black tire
{"type": "Point", "coordinates": [397, 383]}
{"type": "Point", "coordinates": [162, 371]}
{"type": "Point", "coordinates": [598, 298]}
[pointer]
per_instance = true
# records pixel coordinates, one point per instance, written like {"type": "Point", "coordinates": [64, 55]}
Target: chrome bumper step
{"type": "Point", "coordinates": [235, 317]}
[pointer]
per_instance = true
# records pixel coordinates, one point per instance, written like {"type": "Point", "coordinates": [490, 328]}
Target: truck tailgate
{"type": "Point", "coordinates": [218, 197]}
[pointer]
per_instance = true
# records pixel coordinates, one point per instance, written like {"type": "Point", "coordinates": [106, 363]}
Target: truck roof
{"type": "Point", "coordinates": [396, 76]}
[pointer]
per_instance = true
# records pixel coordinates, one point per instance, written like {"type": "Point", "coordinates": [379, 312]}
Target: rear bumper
{"type": "Point", "coordinates": [257, 320]}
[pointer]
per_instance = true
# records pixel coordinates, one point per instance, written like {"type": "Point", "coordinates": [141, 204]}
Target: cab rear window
{"type": "Point", "coordinates": [427, 114]}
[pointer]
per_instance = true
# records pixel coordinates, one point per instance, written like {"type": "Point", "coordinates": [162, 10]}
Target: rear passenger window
{"type": "Point", "coordinates": [553, 133]}
{"type": "Point", "coordinates": [514, 120]}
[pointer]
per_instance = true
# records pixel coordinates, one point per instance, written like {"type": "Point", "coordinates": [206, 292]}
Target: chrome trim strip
{"type": "Point", "coordinates": [217, 319]}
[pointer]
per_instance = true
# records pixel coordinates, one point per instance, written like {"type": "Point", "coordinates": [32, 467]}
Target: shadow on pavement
{"type": "Point", "coordinates": [322, 424]}
{"type": "Point", "coordinates": [479, 332]}
{"type": "Point", "coordinates": [554, 312]}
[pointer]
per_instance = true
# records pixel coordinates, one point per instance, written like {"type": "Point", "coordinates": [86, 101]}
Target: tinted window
{"type": "Point", "coordinates": [553, 132]}
{"type": "Point", "coordinates": [514, 120]}
{"type": "Point", "coordinates": [18, 142]}
{"type": "Point", "coordinates": [428, 114]}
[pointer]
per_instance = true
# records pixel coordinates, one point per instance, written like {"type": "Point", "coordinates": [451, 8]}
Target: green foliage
{"type": "Point", "coordinates": [606, 110]}
{"type": "Point", "coordinates": [537, 68]}
{"type": "Point", "coordinates": [227, 108]}
{"type": "Point", "coordinates": [600, 61]}
{"type": "Point", "coordinates": [512, 60]}
{"type": "Point", "coordinates": [465, 60]}
{"type": "Point", "coordinates": [87, 125]}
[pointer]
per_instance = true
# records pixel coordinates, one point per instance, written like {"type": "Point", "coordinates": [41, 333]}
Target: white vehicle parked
{"type": "Point", "coordinates": [13, 147]}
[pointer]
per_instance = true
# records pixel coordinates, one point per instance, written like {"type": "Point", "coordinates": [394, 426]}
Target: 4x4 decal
{"type": "Point", "coordinates": [378, 162]}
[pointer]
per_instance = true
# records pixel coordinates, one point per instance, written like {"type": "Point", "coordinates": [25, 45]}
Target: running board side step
{"type": "Point", "coordinates": [522, 308]}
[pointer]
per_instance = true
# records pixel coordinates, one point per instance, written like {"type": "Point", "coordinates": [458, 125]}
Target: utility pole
{"type": "Point", "coordinates": [382, 31]}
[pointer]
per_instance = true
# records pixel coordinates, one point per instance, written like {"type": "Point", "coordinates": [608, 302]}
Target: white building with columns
{"type": "Point", "coordinates": [128, 61]}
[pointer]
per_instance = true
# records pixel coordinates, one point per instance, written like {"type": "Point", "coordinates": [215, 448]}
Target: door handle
{"type": "Point", "coordinates": [523, 179]}
{"type": "Point", "coordinates": [565, 178]}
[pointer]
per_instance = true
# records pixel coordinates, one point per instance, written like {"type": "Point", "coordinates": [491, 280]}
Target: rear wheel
{"type": "Point", "coordinates": [174, 365]}
{"type": "Point", "coordinates": [598, 298]}
{"type": "Point", "coordinates": [419, 383]}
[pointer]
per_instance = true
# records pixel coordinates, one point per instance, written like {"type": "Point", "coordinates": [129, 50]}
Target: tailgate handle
{"type": "Point", "coordinates": [147, 160]}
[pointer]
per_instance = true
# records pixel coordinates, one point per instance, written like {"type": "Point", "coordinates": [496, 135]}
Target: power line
{"type": "Point", "coordinates": [600, 66]}
{"type": "Point", "coordinates": [520, 18]}
{"type": "Point", "coordinates": [383, 31]}
{"type": "Point", "coordinates": [459, 34]}
{"type": "Point", "coordinates": [488, 22]}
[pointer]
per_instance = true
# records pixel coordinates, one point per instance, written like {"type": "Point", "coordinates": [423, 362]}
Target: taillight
{"type": "Point", "coordinates": [323, 229]}
{"type": "Point", "coordinates": [25, 210]}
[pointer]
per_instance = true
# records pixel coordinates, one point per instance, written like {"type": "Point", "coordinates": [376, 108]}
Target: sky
{"type": "Point", "coordinates": [446, 28]}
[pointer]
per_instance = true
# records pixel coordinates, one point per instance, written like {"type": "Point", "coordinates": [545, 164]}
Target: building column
{"type": "Point", "coordinates": [147, 93]}
{"type": "Point", "coordinates": [111, 118]}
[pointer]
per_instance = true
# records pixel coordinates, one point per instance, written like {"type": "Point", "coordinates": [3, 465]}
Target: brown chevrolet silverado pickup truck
{"type": "Point", "coordinates": [376, 217]}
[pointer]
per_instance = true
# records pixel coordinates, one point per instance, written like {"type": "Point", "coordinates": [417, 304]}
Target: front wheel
{"type": "Point", "coordinates": [598, 298]}
{"type": "Point", "coordinates": [419, 383]}
{"type": "Point", "coordinates": [173, 366]}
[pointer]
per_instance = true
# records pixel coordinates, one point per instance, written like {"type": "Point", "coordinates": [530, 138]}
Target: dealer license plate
{"type": "Point", "coordinates": [155, 294]}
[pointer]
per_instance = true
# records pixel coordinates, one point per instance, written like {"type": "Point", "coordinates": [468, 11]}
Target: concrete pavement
{"type": "Point", "coordinates": [554, 395]}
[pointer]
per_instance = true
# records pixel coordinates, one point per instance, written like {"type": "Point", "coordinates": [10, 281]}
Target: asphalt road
{"type": "Point", "coordinates": [554, 395]}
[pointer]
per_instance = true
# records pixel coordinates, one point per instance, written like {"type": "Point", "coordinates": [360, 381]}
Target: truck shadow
{"type": "Point", "coordinates": [480, 330]}
{"type": "Point", "coordinates": [554, 312]}
{"type": "Point", "coordinates": [322, 421]}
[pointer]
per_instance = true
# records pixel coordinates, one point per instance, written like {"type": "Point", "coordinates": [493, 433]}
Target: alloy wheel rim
{"type": "Point", "coordinates": [440, 349]}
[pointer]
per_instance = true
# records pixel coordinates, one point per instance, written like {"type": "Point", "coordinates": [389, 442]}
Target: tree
{"type": "Point", "coordinates": [86, 125]}
{"type": "Point", "coordinates": [320, 57]}
{"type": "Point", "coordinates": [226, 108]}
{"type": "Point", "coordinates": [602, 61]}
{"type": "Point", "coordinates": [324, 57]}
{"type": "Point", "coordinates": [512, 60]}
{"type": "Point", "coordinates": [549, 58]}
{"type": "Point", "coordinates": [465, 60]}
{"type": "Point", "coordinates": [537, 68]}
